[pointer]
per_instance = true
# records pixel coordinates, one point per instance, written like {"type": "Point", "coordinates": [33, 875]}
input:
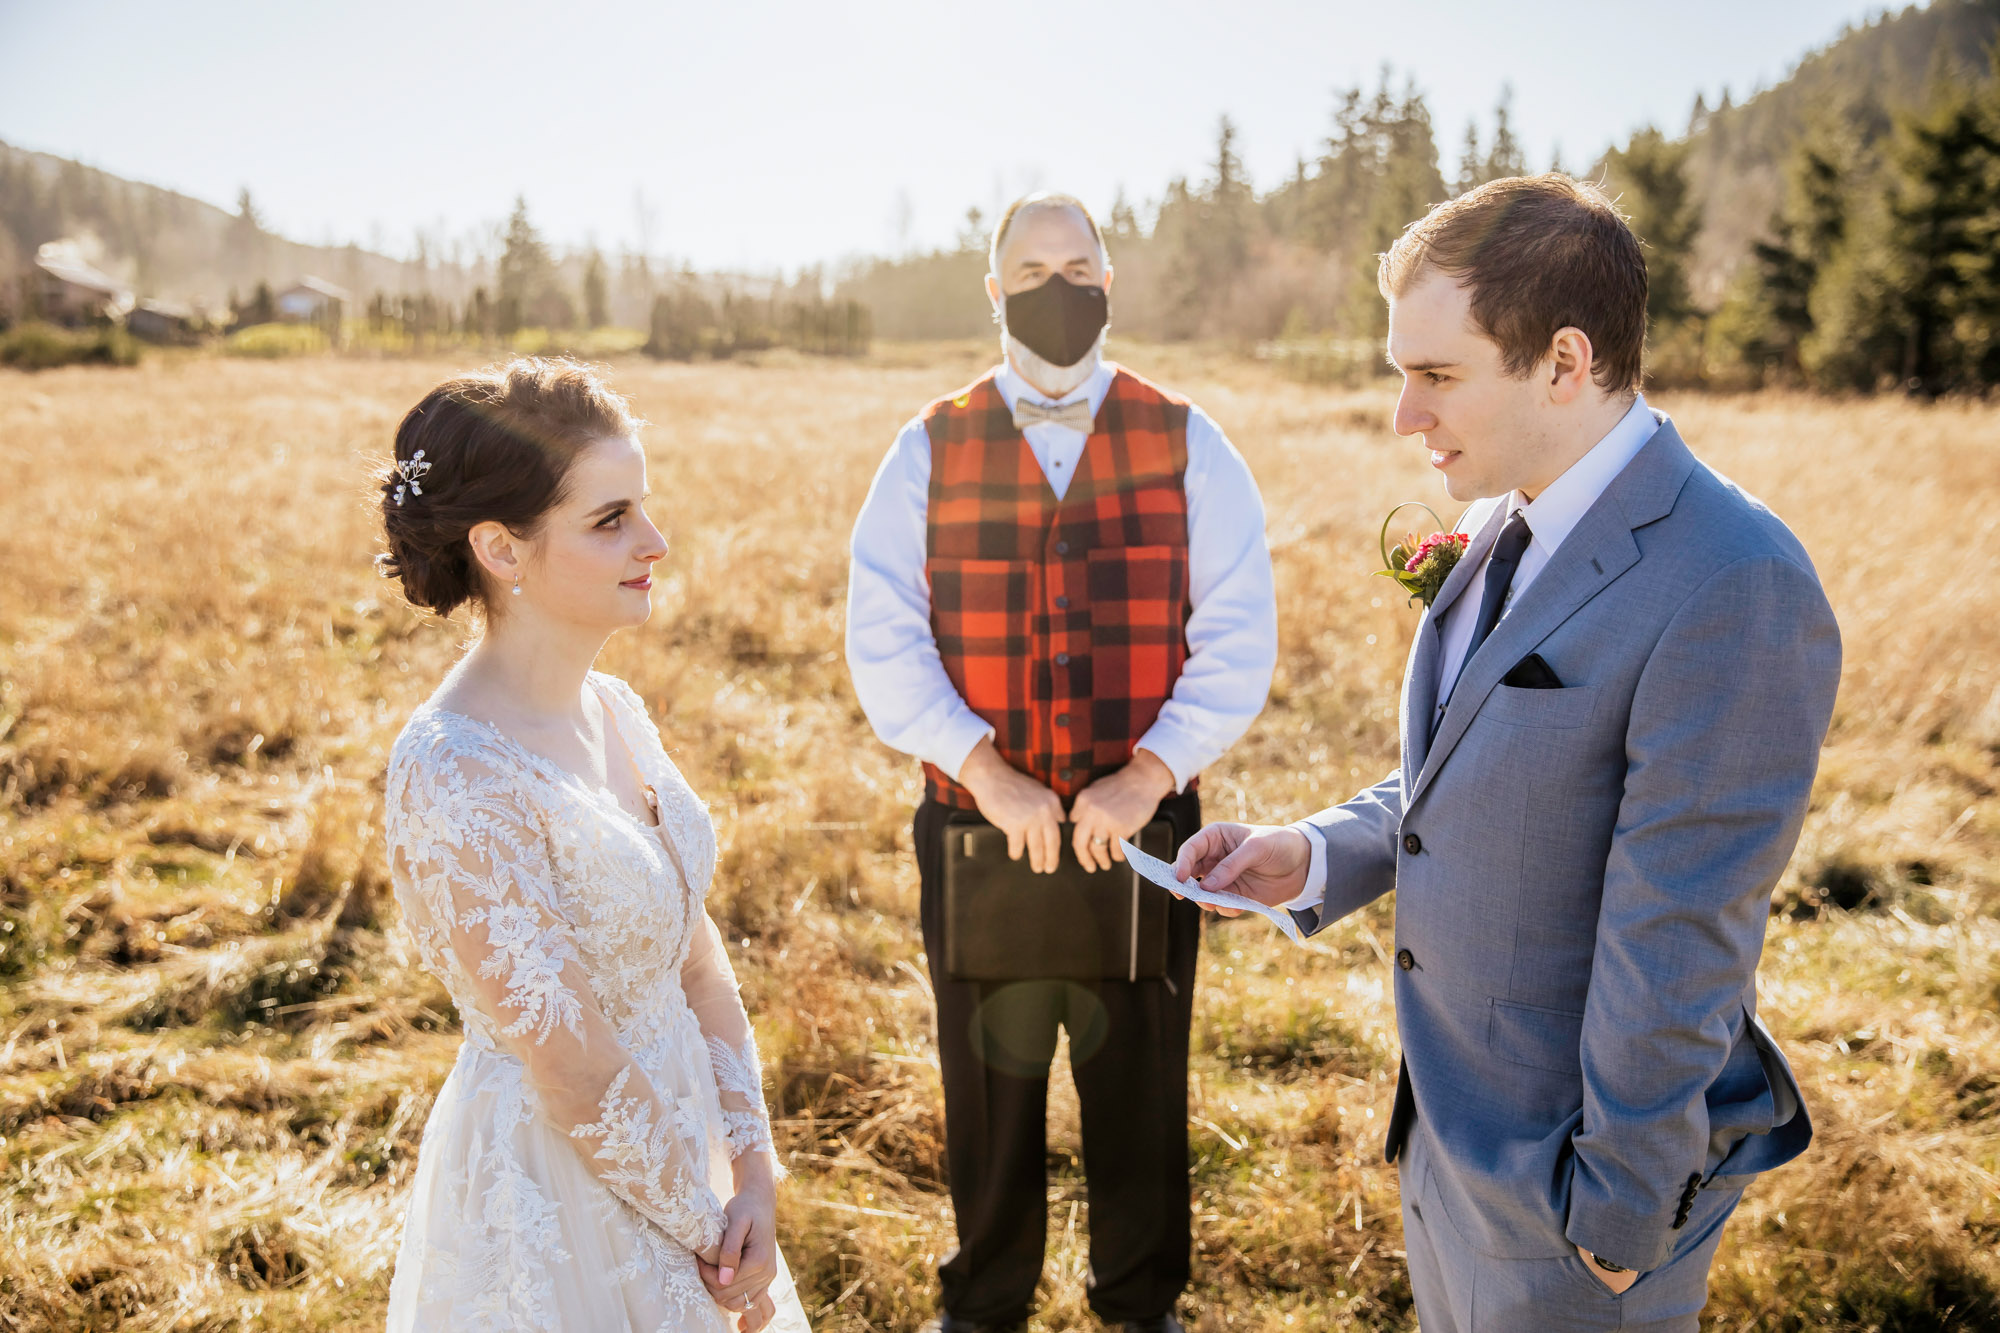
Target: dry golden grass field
{"type": "Point", "coordinates": [216, 1054]}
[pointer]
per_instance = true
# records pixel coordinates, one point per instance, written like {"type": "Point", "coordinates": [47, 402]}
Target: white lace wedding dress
{"type": "Point", "coordinates": [580, 1150]}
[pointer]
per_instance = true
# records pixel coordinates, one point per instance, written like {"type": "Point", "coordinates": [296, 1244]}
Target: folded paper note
{"type": "Point", "coordinates": [1161, 873]}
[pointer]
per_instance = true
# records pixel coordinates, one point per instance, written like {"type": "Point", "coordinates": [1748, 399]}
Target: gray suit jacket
{"type": "Point", "coordinates": [1583, 873]}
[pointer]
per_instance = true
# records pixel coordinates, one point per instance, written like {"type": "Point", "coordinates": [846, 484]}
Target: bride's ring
{"type": "Point", "coordinates": [1100, 842]}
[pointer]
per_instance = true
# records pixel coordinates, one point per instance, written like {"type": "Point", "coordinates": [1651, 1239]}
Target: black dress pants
{"type": "Point", "coordinates": [1129, 1057]}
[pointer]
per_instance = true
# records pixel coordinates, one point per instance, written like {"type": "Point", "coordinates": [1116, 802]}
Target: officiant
{"type": "Point", "coordinates": [1061, 603]}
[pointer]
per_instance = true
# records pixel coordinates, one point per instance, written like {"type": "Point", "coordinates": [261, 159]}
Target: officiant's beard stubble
{"type": "Point", "coordinates": [1054, 380]}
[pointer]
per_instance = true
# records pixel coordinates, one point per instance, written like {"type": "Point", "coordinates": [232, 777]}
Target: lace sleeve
{"type": "Point", "coordinates": [476, 879]}
{"type": "Point", "coordinates": [710, 985]}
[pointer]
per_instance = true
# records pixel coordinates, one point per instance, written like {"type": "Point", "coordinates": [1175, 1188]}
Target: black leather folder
{"type": "Point", "coordinates": [1003, 922]}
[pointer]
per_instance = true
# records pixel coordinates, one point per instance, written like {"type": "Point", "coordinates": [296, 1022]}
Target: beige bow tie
{"type": "Point", "coordinates": [1076, 415]}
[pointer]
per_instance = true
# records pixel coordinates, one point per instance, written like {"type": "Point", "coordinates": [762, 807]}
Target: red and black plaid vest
{"type": "Point", "coordinates": [1062, 622]}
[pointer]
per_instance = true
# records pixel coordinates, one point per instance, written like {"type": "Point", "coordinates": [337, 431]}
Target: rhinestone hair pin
{"type": "Point", "coordinates": [411, 470]}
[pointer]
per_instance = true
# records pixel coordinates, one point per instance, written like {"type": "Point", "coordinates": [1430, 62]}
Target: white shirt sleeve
{"type": "Point", "coordinates": [1232, 634]}
{"type": "Point", "coordinates": [1314, 892]}
{"type": "Point", "coordinates": [892, 650]}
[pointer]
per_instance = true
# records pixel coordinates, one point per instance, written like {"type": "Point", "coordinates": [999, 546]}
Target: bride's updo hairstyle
{"type": "Point", "coordinates": [493, 446]}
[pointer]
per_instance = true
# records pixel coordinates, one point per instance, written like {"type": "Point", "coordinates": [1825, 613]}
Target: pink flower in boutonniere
{"type": "Point", "coordinates": [1421, 564]}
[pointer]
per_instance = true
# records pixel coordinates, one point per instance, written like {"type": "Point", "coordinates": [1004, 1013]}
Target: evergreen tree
{"type": "Point", "coordinates": [246, 245]}
{"type": "Point", "coordinates": [529, 292]}
{"type": "Point", "coordinates": [1767, 316]}
{"type": "Point", "coordinates": [1211, 230]}
{"type": "Point", "coordinates": [261, 308]}
{"type": "Point", "coordinates": [1910, 293]}
{"type": "Point", "coordinates": [1407, 185]}
{"type": "Point", "coordinates": [683, 322]}
{"type": "Point", "coordinates": [635, 289]}
{"type": "Point", "coordinates": [1649, 178]}
{"type": "Point", "coordinates": [972, 234]}
{"type": "Point", "coordinates": [1944, 215]}
{"type": "Point", "coordinates": [1471, 165]}
{"type": "Point", "coordinates": [1506, 157]}
{"type": "Point", "coordinates": [596, 297]}
{"type": "Point", "coordinates": [1124, 222]}
{"type": "Point", "coordinates": [1697, 117]}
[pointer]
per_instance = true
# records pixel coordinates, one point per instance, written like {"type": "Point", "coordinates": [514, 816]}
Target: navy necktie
{"type": "Point", "coordinates": [1500, 567]}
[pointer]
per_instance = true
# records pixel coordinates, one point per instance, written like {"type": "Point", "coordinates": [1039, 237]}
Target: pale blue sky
{"type": "Point", "coordinates": [769, 134]}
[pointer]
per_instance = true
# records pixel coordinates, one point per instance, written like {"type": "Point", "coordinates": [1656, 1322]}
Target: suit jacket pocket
{"type": "Point", "coordinates": [1527, 1034]}
{"type": "Point", "coordinates": [1567, 707]}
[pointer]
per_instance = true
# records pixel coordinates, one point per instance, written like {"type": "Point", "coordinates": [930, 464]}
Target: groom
{"type": "Point", "coordinates": [1611, 718]}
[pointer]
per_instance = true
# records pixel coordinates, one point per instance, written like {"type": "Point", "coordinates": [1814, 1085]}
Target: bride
{"type": "Point", "coordinates": [599, 1157]}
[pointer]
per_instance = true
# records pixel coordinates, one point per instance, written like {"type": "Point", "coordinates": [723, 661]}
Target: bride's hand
{"type": "Point", "coordinates": [747, 1260]}
{"type": "Point", "coordinates": [761, 1312]}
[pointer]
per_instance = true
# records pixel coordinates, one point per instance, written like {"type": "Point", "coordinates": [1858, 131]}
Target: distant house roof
{"type": "Point", "coordinates": [62, 260]}
{"type": "Point", "coordinates": [167, 309]}
{"type": "Point", "coordinates": [318, 287]}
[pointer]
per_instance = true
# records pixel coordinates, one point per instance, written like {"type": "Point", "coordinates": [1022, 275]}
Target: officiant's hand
{"type": "Point", "coordinates": [1267, 862]}
{"type": "Point", "coordinates": [746, 1262]}
{"type": "Point", "coordinates": [1027, 812]}
{"type": "Point", "coordinates": [1116, 806]}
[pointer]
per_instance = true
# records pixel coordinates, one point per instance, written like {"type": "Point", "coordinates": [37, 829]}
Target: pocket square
{"type": "Point", "coordinates": [1532, 673]}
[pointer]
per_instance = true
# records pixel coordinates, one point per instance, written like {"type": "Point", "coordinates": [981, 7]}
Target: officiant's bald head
{"type": "Point", "coordinates": [1048, 232]}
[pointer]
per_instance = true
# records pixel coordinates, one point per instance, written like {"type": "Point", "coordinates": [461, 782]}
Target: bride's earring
{"type": "Point", "coordinates": [517, 585]}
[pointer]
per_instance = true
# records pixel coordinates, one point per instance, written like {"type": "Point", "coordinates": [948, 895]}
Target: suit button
{"type": "Point", "coordinates": [1405, 959]}
{"type": "Point", "coordinates": [1062, 659]}
{"type": "Point", "coordinates": [1412, 843]}
{"type": "Point", "coordinates": [1062, 719]}
{"type": "Point", "coordinates": [1062, 548]}
{"type": "Point", "coordinates": [1063, 774]}
{"type": "Point", "coordinates": [1062, 603]}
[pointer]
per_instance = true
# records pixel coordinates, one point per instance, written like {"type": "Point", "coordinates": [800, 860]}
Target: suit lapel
{"type": "Point", "coordinates": [1482, 541]}
{"type": "Point", "coordinates": [1595, 553]}
{"type": "Point", "coordinates": [1420, 681]}
{"type": "Point", "coordinates": [1420, 678]}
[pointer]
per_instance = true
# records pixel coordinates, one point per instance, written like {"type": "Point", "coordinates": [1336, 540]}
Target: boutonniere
{"type": "Point", "coordinates": [1420, 564]}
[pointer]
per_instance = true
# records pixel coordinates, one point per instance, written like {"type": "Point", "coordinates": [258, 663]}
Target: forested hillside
{"type": "Point", "coordinates": [1828, 230]}
{"type": "Point", "coordinates": [1737, 153]}
{"type": "Point", "coordinates": [164, 243]}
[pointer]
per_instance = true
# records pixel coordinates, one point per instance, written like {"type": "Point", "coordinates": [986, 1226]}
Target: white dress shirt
{"type": "Point", "coordinates": [1232, 633]}
{"type": "Point", "coordinates": [1551, 517]}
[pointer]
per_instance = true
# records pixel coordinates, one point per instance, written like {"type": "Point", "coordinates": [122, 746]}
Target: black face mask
{"type": "Point", "coordinates": [1059, 321]}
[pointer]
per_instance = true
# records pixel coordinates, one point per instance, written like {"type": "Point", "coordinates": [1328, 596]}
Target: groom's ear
{"type": "Point", "coordinates": [1569, 364]}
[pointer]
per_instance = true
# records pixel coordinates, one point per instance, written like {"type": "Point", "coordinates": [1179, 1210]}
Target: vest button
{"type": "Point", "coordinates": [1062, 603]}
{"type": "Point", "coordinates": [1405, 959]}
{"type": "Point", "coordinates": [1062, 548]}
{"type": "Point", "coordinates": [1062, 659]}
{"type": "Point", "coordinates": [1062, 719]}
{"type": "Point", "coordinates": [1412, 843]}
{"type": "Point", "coordinates": [1063, 774]}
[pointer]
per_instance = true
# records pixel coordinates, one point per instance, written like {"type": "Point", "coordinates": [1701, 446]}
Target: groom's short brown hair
{"type": "Point", "coordinates": [1539, 253]}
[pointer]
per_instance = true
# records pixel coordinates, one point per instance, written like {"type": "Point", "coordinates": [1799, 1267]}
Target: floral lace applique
{"type": "Point", "coordinates": [740, 1080]}
{"type": "Point", "coordinates": [575, 947]}
{"type": "Point", "coordinates": [646, 1163]}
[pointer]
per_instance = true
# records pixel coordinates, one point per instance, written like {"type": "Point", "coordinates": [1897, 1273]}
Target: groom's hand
{"type": "Point", "coordinates": [1262, 861]}
{"type": "Point", "coordinates": [1619, 1282]}
{"type": "Point", "coordinates": [1116, 806]}
{"type": "Point", "coordinates": [1027, 812]}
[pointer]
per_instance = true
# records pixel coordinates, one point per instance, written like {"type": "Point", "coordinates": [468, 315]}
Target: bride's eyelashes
{"type": "Point", "coordinates": [611, 521]}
